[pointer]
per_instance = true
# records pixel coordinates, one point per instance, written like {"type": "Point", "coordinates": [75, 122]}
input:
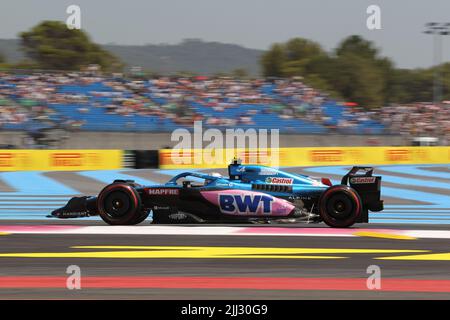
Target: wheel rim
{"type": "Point", "coordinates": [117, 204]}
{"type": "Point", "coordinates": [340, 206]}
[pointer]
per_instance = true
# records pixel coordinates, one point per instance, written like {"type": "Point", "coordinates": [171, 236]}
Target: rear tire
{"type": "Point", "coordinates": [120, 204]}
{"type": "Point", "coordinates": [340, 206]}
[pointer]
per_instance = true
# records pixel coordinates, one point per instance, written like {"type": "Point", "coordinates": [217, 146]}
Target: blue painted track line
{"type": "Point", "coordinates": [35, 183]}
{"type": "Point", "coordinates": [416, 207]}
{"type": "Point", "coordinates": [31, 203]}
{"type": "Point", "coordinates": [386, 178]}
{"type": "Point", "coordinates": [423, 214]}
{"type": "Point", "coordinates": [26, 207]}
{"type": "Point", "coordinates": [174, 172]}
{"type": "Point", "coordinates": [416, 171]}
{"type": "Point", "coordinates": [170, 173]}
{"type": "Point", "coordinates": [4, 196]}
{"type": "Point", "coordinates": [406, 221]}
{"type": "Point", "coordinates": [41, 217]}
{"type": "Point", "coordinates": [108, 176]}
{"type": "Point", "coordinates": [420, 213]}
{"type": "Point", "coordinates": [438, 200]}
{"type": "Point", "coordinates": [28, 213]}
{"type": "Point", "coordinates": [21, 211]}
{"type": "Point", "coordinates": [407, 216]}
{"type": "Point", "coordinates": [400, 208]}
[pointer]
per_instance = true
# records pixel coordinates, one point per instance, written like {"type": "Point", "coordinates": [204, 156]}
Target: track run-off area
{"type": "Point", "coordinates": [409, 241]}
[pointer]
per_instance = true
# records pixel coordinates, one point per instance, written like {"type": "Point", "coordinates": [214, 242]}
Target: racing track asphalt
{"type": "Point", "coordinates": [354, 266]}
{"type": "Point", "coordinates": [350, 267]}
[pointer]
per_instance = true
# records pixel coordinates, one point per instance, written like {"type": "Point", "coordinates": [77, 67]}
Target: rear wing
{"type": "Point", "coordinates": [368, 187]}
{"type": "Point", "coordinates": [366, 172]}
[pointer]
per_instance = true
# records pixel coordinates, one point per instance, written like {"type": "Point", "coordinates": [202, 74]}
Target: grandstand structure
{"type": "Point", "coordinates": [96, 105]}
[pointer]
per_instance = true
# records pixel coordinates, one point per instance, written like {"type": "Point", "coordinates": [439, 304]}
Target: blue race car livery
{"type": "Point", "coordinates": [251, 193]}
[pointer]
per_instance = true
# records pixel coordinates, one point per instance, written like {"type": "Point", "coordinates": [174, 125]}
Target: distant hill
{"type": "Point", "coordinates": [191, 55]}
{"type": "Point", "coordinates": [10, 49]}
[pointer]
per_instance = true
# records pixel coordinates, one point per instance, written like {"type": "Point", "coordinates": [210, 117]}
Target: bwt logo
{"type": "Point", "coordinates": [239, 204]}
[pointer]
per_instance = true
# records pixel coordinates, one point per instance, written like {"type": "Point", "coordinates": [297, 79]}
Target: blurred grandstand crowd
{"type": "Point", "coordinates": [86, 101]}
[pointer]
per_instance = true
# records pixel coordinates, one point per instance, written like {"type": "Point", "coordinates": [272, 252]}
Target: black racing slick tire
{"type": "Point", "coordinates": [119, 204]}
{"type": "Point", "coordinates": [340, 206]}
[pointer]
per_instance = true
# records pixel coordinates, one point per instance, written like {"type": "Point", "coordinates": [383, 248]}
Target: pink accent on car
{"type": "Point", "coordinates": [249, 203]}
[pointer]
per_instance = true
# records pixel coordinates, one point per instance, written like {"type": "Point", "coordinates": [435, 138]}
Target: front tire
{"type": "Point", "coordinates": [119, 204]}
{"type": "Point", "coordinates": [340, 206]}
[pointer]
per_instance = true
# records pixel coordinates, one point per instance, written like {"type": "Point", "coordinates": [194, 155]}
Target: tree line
{"type": "Point", "coordinates": [354, 71]}
{"type": "Point", "coordinates": [50, 45]}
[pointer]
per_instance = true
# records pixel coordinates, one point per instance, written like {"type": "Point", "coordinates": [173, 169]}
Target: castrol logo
{"type": "Point", "coordinates": [275, 180]}
{"type": "Point", "coordinates": [362, 180]}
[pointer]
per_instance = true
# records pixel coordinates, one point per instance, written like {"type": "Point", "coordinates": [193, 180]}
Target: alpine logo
{"type": "Point", "coordinates": [245, 204]}
{"type": "Point", "coordinates": [275, 180]}
{"type": "Point", "coordinates": [267, 172]}
{"type": "Point", "coordinates": [362, 180]}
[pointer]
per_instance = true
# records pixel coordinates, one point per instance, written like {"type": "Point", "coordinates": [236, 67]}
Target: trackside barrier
{"type": "Point", "coordinates": [78, 160]}
{"type": "Point", "coordinates": [60, 160]}
{"type": "Point", "coordinates": [329, 156]}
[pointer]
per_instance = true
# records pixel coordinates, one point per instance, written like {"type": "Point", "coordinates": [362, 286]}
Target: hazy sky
{"type": "Point", "coordinates": [251, 23]}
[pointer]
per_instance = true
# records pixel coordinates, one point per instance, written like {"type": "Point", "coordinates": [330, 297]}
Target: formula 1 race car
{"type": "Point", "coordinates": [251, 193]}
